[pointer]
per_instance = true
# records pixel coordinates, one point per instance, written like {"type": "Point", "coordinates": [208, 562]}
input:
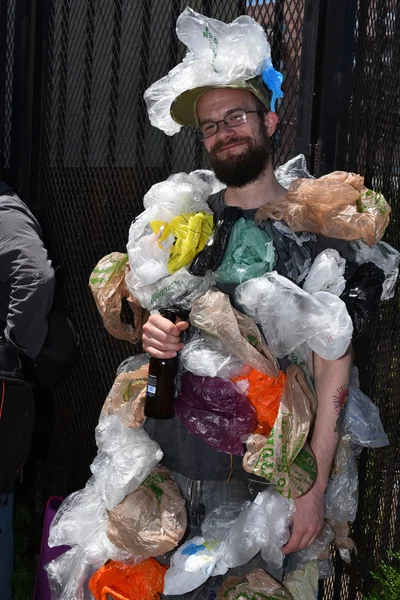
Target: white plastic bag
{"type": "Point", "coordinates": [217, 53]}
{"type": "Point", "coordinates": [125, 458]}
{"type": "Point", "coordinates": [293, 169]}
{"type": "Point", "coordinates": [383, 256]}
{"type": "Point", "coordinates": [290, 316]}
{"type": "Point", "coordinates": [148, 261]}
{"type": "Point", "coordinates": [209, 357]}
{"type": "Point", "coordinates": [69, 575]}
{"type": "Point", "coordinates": [362, 423]}
{"type": "Point", "coordinates": [326, 273]}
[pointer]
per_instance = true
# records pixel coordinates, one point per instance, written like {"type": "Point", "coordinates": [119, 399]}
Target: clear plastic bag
{"type": "Point", "coordinates": [362, 423]}
{"type": "Point", "coordinates": [341, 496]}
{"type": "Point", "coordinates": [124, 459]}
{"type": "Point", "coordinates": [295, 168]}
{"type": "Point", "coordinates": [214, 314]}
{"type": "Point", "coordinates": [300, 559]}
{"type": "Point", "coordinates": [383, 256]}
{"type": "Point", "coordinates": [290, 316]}
{"type": "Point", "coordinates": [250, 253]}
{"type": "Point", "coordinates": [69, 575]}
{"type": "Point", "coordinates": [180, 290]}
{"type": "Point", "coordinates": [133, 363]}
{"type": "Point", "coordinates": [150, 521]}
{"type": "Point", "coordinates": [148, 261]}
{"type": "Point", "coordinates": [326, 273]}
{"type": "Point", "coordinates": [217, 53]}
{"type": "Point", "coordinates": [214, 409]}
{"type": "Point", "coordinates": [209, 357]}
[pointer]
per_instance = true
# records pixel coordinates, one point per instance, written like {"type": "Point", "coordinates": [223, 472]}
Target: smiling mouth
{"type": "Point", "coordinates": [231, 146]}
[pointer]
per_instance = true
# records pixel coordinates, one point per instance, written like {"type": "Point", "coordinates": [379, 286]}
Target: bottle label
{"type": "Point", "coordinates": [151, 385]}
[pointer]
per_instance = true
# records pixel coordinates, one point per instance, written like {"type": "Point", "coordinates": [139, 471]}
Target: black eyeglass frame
{"type": "Point", "coordinates": [200, 132]}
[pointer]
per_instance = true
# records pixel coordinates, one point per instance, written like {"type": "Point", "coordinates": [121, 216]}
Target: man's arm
{"type": "Point", "coordinates": [27, 277]}
{"type": "Point", "coordinates": [331, 379]}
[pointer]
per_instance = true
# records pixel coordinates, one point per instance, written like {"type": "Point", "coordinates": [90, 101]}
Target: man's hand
{"type": "Point", "coordinates": [161, 337]}
{"type": "Point", "coordinates": [307, 521]}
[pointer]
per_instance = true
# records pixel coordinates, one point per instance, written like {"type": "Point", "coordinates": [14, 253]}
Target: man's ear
{"type": "Point", "coordinates": [271, 121]}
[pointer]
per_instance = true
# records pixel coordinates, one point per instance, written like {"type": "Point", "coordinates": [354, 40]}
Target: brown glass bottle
{"type": "Point", "coordinates": [160, 389]}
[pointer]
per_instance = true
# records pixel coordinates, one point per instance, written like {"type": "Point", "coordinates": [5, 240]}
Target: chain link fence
{"type": "Point", "coordinates": [97, 155]}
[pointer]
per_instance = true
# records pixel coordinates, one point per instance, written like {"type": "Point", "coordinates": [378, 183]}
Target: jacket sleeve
{"type": "Point", "coordinates": [26, 275]}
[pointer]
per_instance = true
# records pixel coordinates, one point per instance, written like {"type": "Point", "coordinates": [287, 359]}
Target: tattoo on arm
{"type": "Point", "coordinates": [340, 401]}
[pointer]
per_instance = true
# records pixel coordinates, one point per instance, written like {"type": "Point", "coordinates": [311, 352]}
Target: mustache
{"type": "Point", "coordinates": [224, 144]}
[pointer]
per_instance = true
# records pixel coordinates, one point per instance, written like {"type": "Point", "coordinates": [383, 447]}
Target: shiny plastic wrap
{"type": "Point", "coordinates": [362, 296]}
{"type": "Point", "coordinates": [151, 520]}
{"type": "Point", "coordinates": [126, 397]}
{"type": "Point", "coordinates": [107, 284]}
{"type": "Point", "coordinates": [217, 53]}
{"type": "Point", "coordinates": [125, 458]}
{"type": "Point", "coordinates": [290, 316]}
{"type": "Point", "coordinates": [265, 395]}
{"type": "Point", "coordinates": [336, 205]}
{"type": "Point", "coordinates": [303, 583]}
{"type": "Point", "coordinates": [214, 314]}
{"type": "Point", "coordinates": [383, 256]}
{"type": "Point", "coordinates": [209, 357]}
{"type": "Point", "coordinates": [255, 585]}
{"type": "Point", "coordinates": [144, 581]}
{"type": "Point", "coordinates": [214, 409]}
{"type": "Point", "coordinates": [326, 274]}
{"type": "Point", "coordinates": [362, 424]}
{"type": "Point", "coordinates": [295, 168]}
{"type": "Point", "coordinates": [180, 290]}
{"type": "Point", "coordinates": [250, 253]}
{"type": "Point", "coordinates": [284, 457]}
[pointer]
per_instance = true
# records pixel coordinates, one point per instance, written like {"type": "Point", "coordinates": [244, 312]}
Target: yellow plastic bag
{"type": "Point", "coordinates": [191, 231]}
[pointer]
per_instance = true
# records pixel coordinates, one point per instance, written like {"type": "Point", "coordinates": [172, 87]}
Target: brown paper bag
{"type": "Point", "coordinates": [107, 284]}
{"type": "Point", "coordinates": [151, 520]}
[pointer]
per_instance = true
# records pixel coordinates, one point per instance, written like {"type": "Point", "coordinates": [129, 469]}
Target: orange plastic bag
{"type": "Point", "coordinates": [117, 581]}
{"type": "Point", "coordinates": [265, 395]}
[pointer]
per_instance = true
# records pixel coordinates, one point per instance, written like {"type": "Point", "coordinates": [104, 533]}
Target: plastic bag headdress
{"type": "Point", "coordinates": [234, 55]}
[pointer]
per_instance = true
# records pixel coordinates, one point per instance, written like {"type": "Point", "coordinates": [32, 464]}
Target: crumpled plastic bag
{"type": "Point", "coordinates": [133, 363]}
{"type": "Point", "coordinates": [362, 423]}
{"type": "Point", "coordinates": [180, 290]}
{"type": "Point", "coordinates": [107, 284]}
{"type": "Point", "coordinates": [69, 575]}
{"type": "Point", "coordinates": [341, 539]}
{"type": "Point", "coordinates": [213, 252]}
{"type": "Point", "coordinates": [341, 496]}
{"type": "Point", "coordinates": [209, 357]}
{"type": "Point", "coordinates": [255, 585]}
{"type": "Point", "coordinates": [214, 314]}
{"type": "Point", "coordinates": [125, 458]}
{"type": "Point", "coordinates": [118, 581]}
{"type": "Point", "coordinates": [214, 409]}
{"type": "Point", "coordinates": [190, 233]}
{"type": "Point", "coordinates": [303, 583]}
{"type": "Point", "coordinates": [326, 274]}
{"type": "Point", "coordinates": [284, 457]}
{"type": "Point", "coordinates": [317, 549]}
{"type": "Point", "coordinates": [295, 168]}
{"type": "Point", "coordinates": [383, 256]}
{"type": "Point", "coordinates": [362, 296]}
{"type": "Point", "coordinates": [151, 520]}
{"type": "Point", "coordinates": [190, 566]}
{"type": "Point", "coordinates": [127, 396]}
{"type": "Point", "coordinates": [290, 316]}
{"type": "Point", "coordinates": [265, 395]}
{"type": "Point", "coordinates": [217, 53]}
{"type": "Point", "coordinates": [148, 258]}
{"type": "Point", "coordinates": [337, 205]}
{"type": "Point", "coordinates": [250, 253]}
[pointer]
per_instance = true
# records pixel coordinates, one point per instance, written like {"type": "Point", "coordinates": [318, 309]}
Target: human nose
{"type": "Point", "coordinates": [223, 130]}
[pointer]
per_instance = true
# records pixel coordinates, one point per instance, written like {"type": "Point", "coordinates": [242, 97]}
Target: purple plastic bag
{"type": "Point", "coordinates": [215, 410]}
{"type": "Point", "coordinates": [42, 590]}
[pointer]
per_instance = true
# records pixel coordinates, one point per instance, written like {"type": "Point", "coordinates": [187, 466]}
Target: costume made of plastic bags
{"type": "Point", "coordinates": [117, 581]}
{"type": "Point", "coordinates": [284, 457]}
{"type": "Point", "coordinates": [214, 409]}
{"type": "Point", "coordinates": [218, 53]}
{"type": "Point", "coordinates": [290, 316]}
{"type": "Point", "coordinates": [107, 283]}
{"type": "Point", "coordinates": [264, 393]}
{"type": "Point", "coordinates": [337, 205]}
{"type": "Point", "coordinates": [151, 520]}
{"type": "Point", "coordinates": [250, 253]}
{"type": "Point", "coordinates": [214, 314]}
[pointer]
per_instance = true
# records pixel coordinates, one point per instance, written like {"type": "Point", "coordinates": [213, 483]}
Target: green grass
{"type": "Point", "coordinates": [387, 580]}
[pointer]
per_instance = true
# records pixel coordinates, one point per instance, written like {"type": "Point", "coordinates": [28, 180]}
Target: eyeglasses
{"type": "Point", "coordinates": [234, 119]}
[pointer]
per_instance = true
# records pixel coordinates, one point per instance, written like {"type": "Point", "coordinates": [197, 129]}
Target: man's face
{"type": "Point", "coordinates": [238, 155]}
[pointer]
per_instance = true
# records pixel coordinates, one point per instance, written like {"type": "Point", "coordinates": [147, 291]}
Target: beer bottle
{"type": "Point", "coordinates": [160, 391]}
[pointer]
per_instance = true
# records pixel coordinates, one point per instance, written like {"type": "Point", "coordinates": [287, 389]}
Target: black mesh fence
{"type": "Point", "coordinates": [95, 156]}
{"type": "Point", "coordinates": [7, 41]}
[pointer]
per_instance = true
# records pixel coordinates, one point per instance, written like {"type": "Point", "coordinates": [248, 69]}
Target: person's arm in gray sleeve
{"type": "Point", "coordinates": [27, 272]}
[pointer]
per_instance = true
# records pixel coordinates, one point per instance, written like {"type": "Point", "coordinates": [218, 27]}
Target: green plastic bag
{"type": "Point", "coordinates": [250, 253]}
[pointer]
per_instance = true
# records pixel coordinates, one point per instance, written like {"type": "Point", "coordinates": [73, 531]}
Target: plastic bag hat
{"type": "Point", "coordinates": [235, 55]}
